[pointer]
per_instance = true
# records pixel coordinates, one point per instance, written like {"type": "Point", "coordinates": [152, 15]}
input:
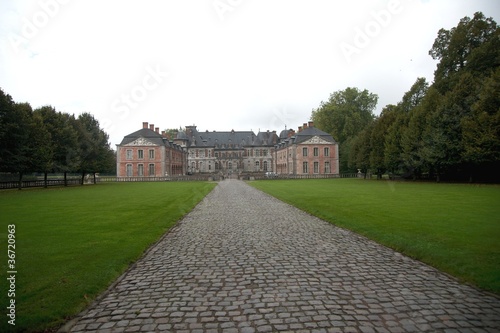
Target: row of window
{"type": "Point", "coordinates": [140, 170]}
{"type": "Point", "coordinates": [202, 153]}
{"type": "Point", "coordinates": [230, 166]}
{"type": "Point", "coordinates": [326, 151]}
{"type": "Point", "coordinates": [140, 154]}
{"type": "Point", "coordinates": [305, 167]}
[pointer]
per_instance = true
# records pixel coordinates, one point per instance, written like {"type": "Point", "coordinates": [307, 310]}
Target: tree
{"type": "Point", "coordinates": [7, 121]}
{"type": "Point", "coordinates": [64, 140]}
{"type": "Point", "coordinates": [359, 157]}
{"type": "Point", "coordinates": [94, 150]}
{"type": "Point", "coordinates": [377, 139]}
{"type": "Point", "coordinates": [457, 49]}
{"type": "Point", "coordinates": [481, 131]}
{"type": "Point", "coordinates": [393, 141]}
{"type": "Point", "coordinates": [345, 114]}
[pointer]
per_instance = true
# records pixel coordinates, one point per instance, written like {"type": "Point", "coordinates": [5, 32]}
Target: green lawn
{"type": "Point", "coordinates": [454, 227]}
{"type": "Point", "coordinates": [72, 243]}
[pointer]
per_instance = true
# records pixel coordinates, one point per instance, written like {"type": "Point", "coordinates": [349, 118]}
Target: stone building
{"type": "Point", "coordinates": [227, 152]}
{"type": "Point", "coordinates": [147, 153]}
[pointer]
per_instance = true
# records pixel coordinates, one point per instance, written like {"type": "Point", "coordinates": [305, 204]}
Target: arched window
{"type": "Point", "coordinates": [257, 166]}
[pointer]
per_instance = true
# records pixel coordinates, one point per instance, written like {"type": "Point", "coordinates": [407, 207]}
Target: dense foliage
{"type": "Point", "coordinates": [448, 129]}
{"type": "Point", "coordinates": [46, 141]}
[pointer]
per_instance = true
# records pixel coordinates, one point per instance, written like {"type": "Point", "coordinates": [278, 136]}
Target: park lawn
{"type": "Point", "coordinates": [72, 243]}
{"type": "Point", "coordinates": [453, 227]}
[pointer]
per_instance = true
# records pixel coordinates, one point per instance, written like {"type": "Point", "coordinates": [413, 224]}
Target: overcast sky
{"type": "Point", "coordinates": [218, 64]}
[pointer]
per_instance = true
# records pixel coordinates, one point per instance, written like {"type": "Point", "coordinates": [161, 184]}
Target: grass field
{"type": "Point", "coordinates": [72, 243]}
{"type": "Point", "coordinates": [454, 227]}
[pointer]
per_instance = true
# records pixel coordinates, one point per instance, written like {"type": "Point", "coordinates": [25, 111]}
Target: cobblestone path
{"type": "Point", "coordinates": [243, 261]}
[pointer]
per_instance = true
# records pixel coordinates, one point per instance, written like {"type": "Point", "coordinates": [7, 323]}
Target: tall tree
{"type": "Point", "coordinates": [64, 140]}
{"type": "Point", "coordinates": [359, 157]}
{"type": "Point", "coordinates": [345, 114]}
{"type": "Point", "coordinates": [456, 50]}
{"type": "Point", "coordinates": [94, 150]}
{"type": "Point", "coordinates": [8, 131]}
{"type": "Point", "coordinates": [481, 132]}
{"type": "Point", "coordinates": [377, 139]}
{"type": "Point", "coordinates": [393, 143]}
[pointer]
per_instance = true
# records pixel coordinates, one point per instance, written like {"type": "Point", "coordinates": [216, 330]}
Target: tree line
{"type": "Point", "coordinates": [44, 140]}
{"type": "Point", "coordinates": [449, 129]}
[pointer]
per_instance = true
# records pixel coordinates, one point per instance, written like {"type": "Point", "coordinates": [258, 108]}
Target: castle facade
{"type": "Point", "coordinates": [149, 153]}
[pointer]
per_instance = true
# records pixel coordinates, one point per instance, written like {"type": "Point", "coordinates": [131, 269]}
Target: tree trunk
{"type": "Point", "coordinates": [45, 180]}
{"type": "Point", "coordinates": [94, 179]}
{"type": "Point", "coordinates": [83, 177]}
{"type": "Point", "coordinates": [20, 185]}
{"type": "Point", "coordinates": [65, 178]}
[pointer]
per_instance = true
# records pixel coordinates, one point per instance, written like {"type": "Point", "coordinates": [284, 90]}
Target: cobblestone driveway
{"type": "Point", "coordinates": [243, 261]}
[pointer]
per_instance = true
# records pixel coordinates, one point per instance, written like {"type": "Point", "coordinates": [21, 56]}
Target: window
{"type": "Point", "coordinates": [265, 165]}
{"type": "Point", "coordinates": [129, 154]}
{"type": "Point", "coordinates": [152, 169]}
{"type": "Point", "coordinates": [140, 154]}
{"type": "Point", "coordinates": [140, 170]}
{"type": "Point", "coordinates": [327, 167]}
{"type": "Point", "coordinates": [152, 154]}
{"type": "Point", "coordinates": [230, 165]}
{"type": "Point", "coordinates": [316, 151]}
{"type": "Point", "coordinates": [129, 170]}
{"type": "Point", "coordinates": [304, 151]}
{"type": "Point", "coordinates": [304, 167]}
{"type": "Point", "coordinates": [316, 167]}
{"type": "Point", "coordinates": [257, 166]}
{"type": "Point", "coordinates": [327, 151]}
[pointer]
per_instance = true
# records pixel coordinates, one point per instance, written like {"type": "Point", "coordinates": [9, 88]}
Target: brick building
{"type": "Point", "coordinates": [147, 153]}
{"type": "Point", "coordinates": [307, 151]}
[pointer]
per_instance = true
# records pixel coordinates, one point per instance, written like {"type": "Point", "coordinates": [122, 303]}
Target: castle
{"type": "Point", "coordinates": [149, 153]}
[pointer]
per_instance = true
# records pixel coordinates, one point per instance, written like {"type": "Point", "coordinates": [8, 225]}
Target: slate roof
{"type": "Point", "coordinates": [149, 135]}
{"type": "Point", "coordinates": [145, 133]}
{"type": "Point", "coordinates": [311, 132]}
{"type": "Point", "coordinates": [231, 140]}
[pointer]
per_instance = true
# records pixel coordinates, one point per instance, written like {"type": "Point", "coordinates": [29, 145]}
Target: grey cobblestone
{"type": "Point", "coordinates": [243, 261]}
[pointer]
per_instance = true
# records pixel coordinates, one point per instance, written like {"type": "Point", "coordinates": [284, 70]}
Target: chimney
{"type": "Point", "coordinates": [163, 134]}
{"type": "Point", "coordinates": [157, 130]}
{"type": "Point", "coordinates": [311, 124]}
{"type": "Point", "coordinates": [145, 124]}
{"type": "Point", "coordinates": [291, 133]}
{"type": "Point", "coordinates": [152, 127]}
{"type": "Point", "coordinates": [300, 129]}
{"type": "Point", "coordinates": [304, 125]}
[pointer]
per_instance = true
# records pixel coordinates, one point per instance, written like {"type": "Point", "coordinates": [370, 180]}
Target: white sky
{"type": "Point", "coordinates": [218, 64]}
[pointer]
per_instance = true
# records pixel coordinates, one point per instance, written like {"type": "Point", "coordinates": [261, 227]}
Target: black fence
{"type": "Point", "coordinates": [89, 179]}
{"type": "Point", "coordinates": [300, 176]}
{"type": "Point", "coordinates": [159, 179]}
{"type": "Point", "coordinates": [40, 183]}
